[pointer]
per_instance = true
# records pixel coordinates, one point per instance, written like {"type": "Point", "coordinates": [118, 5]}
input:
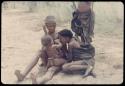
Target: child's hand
{"type": "Point", "coordinates": [55, 46]}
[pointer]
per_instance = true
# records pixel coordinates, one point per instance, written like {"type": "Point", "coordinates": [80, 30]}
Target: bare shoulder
{"type": "Point", "coordinates": [43, 49]}
{"type": "Point", "coordinates": [74, 43]}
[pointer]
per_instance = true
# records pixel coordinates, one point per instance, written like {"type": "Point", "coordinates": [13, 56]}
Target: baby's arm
{"type": "Point", "coordinates": [57, 44]}
{"type": "Point", "coordinates": [43, 56]}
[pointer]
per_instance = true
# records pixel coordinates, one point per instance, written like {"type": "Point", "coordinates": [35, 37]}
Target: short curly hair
{"type": "Point", "coordinates": [66, 33]}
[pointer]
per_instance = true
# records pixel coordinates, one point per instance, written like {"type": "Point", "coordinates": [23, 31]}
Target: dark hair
{"type": "Point", "coordinates": [66, 33]}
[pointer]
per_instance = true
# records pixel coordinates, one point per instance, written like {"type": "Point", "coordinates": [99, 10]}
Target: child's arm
{"type": "Point", "coordinates": [57, 44]}
{"type": "Point", "coordinates": [43, 57]}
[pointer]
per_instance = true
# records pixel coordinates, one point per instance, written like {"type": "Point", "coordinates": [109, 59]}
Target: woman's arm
{"type": "Point", "coordinates": [74, 44]}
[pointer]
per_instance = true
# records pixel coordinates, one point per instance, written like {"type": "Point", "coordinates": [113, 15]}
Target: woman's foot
{"type": "Point", "coordinates": [93, 74]}
{"type": "Point", "coordinates": [33, 77]}
{"type": "Point", "coordinates": [20, 77]}
{"type": "Point", "coordinates": [88, 71]}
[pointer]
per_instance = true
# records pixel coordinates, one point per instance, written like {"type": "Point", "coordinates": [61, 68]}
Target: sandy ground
{"type": "Point", "coordinates": [21, 33]}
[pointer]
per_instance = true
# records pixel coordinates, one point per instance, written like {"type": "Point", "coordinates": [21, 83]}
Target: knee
{"type": "Point", "coordinates": [65, 67]}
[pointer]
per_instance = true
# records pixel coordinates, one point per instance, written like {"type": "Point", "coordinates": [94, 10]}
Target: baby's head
{"type": "Point", "coordinates": [47, 41]}
{"type": "Point", "coordinates": [84, 6]}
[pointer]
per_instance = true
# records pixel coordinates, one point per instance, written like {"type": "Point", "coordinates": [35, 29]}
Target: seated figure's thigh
{"type": "Point", "coordinates": [59, 61]}
{"type": "Point", "coordinates": [66, 66]}
{"type": "Point", "coordinates": [48, 75]}
{"type": "Point", "coordinates": [75, 62]}
{"type": "Point", "coordinates": [41, 70]}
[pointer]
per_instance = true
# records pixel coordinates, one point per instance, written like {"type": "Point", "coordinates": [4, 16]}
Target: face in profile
{"type": "Point", "coordinates": [64, 40]}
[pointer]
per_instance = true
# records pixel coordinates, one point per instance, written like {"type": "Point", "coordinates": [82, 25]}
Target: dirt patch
{"type": "Point", "coordinates": [21, 40]}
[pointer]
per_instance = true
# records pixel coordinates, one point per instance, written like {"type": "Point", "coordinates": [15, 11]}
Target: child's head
{"type": "Point", "coordinates": [50, 23]}
{"type": "Point", "coordinates": [47, 40]}
{"type": "Point", "coordinates": [84, 6]}
{"type": "Point", "coordinates": [65, 36]}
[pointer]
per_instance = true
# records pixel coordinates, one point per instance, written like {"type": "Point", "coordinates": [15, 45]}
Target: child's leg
{"type": "Point", "coordinates": [41, 72]}
{"type": "Point", "coordinates": [33, 77]}
{"type": "Point", "coordinates": [21, 76]}
{"type": "Point", "coordinates": [48, 76]}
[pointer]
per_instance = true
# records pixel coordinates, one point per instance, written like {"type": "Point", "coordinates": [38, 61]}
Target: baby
{"type": "Point", "coordinates": [51, 51]}
{"type": "Point", "coordinates": [53, 59]}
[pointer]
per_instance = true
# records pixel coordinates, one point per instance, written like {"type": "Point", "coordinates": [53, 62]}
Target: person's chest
{"type": "Point", "coordinates": [52, 52]}
{"type": "Point", "coordinates": [54, 35]}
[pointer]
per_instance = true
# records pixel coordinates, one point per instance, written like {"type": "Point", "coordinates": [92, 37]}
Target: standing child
{"type": "Point", "coordinates": [82, 23]}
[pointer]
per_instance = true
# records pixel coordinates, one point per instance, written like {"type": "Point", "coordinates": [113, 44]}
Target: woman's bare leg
{"type": "Point", "coordinates": [48, 76]}
{"type": "Point", "coordinates": [59, 61]}
{"type": "Point", "coordinates": [73, 67]}
{"type": "Point", "coordinates": [77, 65]}
{"type": "Point", "coordinates": [76, 62]}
